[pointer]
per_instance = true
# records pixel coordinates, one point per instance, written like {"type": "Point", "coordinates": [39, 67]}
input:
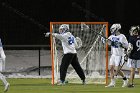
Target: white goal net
{"type": "Point", "coordinates": [92, 55]}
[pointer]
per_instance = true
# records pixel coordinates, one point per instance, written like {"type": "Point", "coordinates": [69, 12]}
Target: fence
{"type": "Point", "coordinates": [28, 60]}
{"type": "Point", "coordinates": [31, 61]}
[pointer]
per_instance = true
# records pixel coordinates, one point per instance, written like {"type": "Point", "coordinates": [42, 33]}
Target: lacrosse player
{"type": "Point", "coordinates": [133, 52]}
{"type": "Point", "coordinates": [69, 44]}
{"type": "Point", "coordinates": [2, 67]}
{"type": "Point", "coordinates": [118, 42]}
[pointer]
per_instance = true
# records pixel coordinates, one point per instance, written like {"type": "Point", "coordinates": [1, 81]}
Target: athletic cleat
{"type": "Point", "coordinates": [125, 83]}
{"type": "Point", "coordinates": [6, 87]}
{"type": "Point", "coordinates": [61, 83]}
{"type": "Point", "coordinates": [110, 85]}
{"type": "Point", "coordinates": [83, 82]}
{"type": "Point", "coordinates": [130, 85]}
{"type": "Point", "coordinates": [66, 81]}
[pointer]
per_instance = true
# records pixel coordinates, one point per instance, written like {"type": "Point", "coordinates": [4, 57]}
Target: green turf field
{"type": "Point", "coordinates": [44, 86]}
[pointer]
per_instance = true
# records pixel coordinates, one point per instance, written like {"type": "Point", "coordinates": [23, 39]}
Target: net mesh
{"type": "Point", "coordinates": [92, 54]}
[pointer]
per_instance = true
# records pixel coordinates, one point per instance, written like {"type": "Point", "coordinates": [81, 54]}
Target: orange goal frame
{"type": "Point", "coordinates": [52, 51]}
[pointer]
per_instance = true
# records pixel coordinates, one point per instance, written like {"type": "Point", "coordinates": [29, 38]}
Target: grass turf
{"type": "Point", "coordinates": [44, 86]}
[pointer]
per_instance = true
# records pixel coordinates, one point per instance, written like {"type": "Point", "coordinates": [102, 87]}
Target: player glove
{"type": "Point", "coordinates": [103, 39]}
{"type": "Point", "coordinates": [125, 57]}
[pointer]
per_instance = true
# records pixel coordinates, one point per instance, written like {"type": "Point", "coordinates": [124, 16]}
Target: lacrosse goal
{"type": "Point", "coordinates": [93, 55]}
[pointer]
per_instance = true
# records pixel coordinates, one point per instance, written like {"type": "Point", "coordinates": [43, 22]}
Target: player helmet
{"type": "Point", "coordinates": [134, 29]}
{"type": "Point", "coordinates": [63, 28]}
{"type": "Point", "coordinates": [115, 28]}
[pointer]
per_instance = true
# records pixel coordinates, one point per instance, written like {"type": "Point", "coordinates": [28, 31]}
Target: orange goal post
{"type": "Point", "coordinates": [93, 55]}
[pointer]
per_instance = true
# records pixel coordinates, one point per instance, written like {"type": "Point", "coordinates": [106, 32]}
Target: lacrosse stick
{"type": "Point", "coordinates": [125, 60]}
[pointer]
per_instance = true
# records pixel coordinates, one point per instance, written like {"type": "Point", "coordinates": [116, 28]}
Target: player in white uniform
{"type": "Point", "coordinates": [118, 42]}
{"type": "Point", "coordinates": [69, 44]}
{"type": "Point", "coordinates": [2, 67]}
{"type": "Point", "coordinates": [133, 52]}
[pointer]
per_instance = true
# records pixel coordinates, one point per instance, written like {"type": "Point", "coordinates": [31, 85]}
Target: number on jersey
{"type": "Point", "coordinates": [70, 40]}
{"type": "Point", "coordinates": [138, 45]}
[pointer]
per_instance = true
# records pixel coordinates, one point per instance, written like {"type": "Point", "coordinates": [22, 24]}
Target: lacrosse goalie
{"type": "Point", "coordinates": [69, 44]}
{"type": "Point", "coordinates": [2, 67]}
{"type": "Point", "coordinates": [118, 42]}
{"type": "Point", "coordinates": [133, 52]}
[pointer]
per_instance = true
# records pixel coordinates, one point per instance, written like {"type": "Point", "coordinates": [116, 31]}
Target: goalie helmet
{"type": "Point", "coordinates": [134, 30]}
{"type": "Point", "coordinates": [115, 28]}
{"type": "Point", "coordinates": [63, 28]}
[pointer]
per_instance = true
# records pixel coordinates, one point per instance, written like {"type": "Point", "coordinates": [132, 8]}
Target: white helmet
{"type": "Point", "coordinates": [134, 29]}
{"type": "Point", "coordinates": [63, 28]}
{"type": "Point", "coordinates": [115, 28]}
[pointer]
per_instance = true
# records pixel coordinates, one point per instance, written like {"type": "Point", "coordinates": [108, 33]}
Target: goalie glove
{"type": "Point", "coordinates": [79, 42]}
{"type": "Point", "coordinates": [47, 34]}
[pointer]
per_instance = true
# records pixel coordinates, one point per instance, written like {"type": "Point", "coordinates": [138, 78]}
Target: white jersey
{"type": "Point", "coordinates": [2, 54]}
{"type": "Point", "coordinates": [0, 43]}
{"type": "Point", "coordinates": [115, 49]}
{"type": "Point", "coordinates": [2, 58]}
{"type": "Point", "coordinates": [68, 42]}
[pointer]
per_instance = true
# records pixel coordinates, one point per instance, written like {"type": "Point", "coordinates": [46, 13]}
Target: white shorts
{"type": "Point", "coordinates": [133, 63]}
{"type": "Point", "coordinates": [116, 60]}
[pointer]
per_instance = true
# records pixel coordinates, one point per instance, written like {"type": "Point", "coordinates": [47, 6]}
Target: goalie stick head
{"type": "Point", "coordinates": [84, 26]}
{"type": "Point", "coordinates": [134, 30]}
{"type": "Point", "coordinates": [63, 28]}
{"type": "Point", "coordinates": [79, 42]}
{"type": "Point", "coordinates": [115, 28]}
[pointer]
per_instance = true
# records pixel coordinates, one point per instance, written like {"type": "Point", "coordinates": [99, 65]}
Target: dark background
{"type": "Point", "coordinates": [17, 30]}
